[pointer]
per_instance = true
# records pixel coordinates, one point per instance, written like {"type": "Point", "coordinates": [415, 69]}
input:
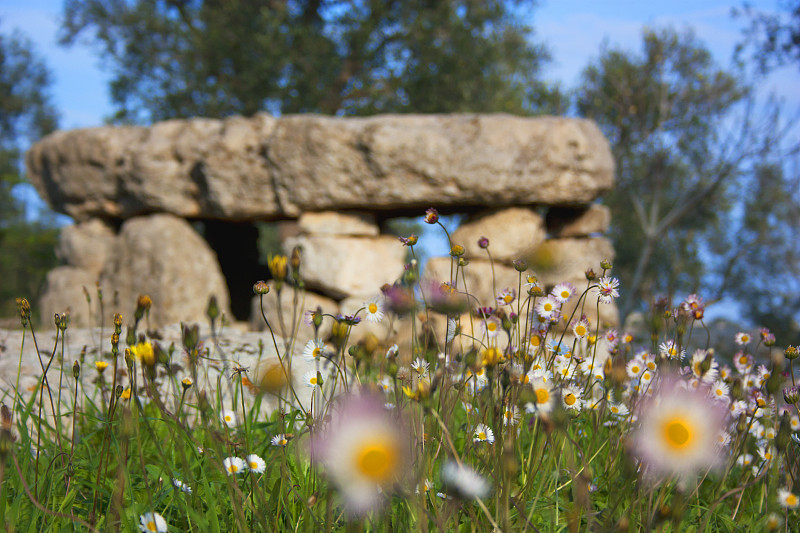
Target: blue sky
{"type": "Point", "coordinates": [574, 30]}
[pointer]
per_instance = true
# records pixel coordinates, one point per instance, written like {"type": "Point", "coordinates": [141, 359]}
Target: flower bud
{"type": "Point", "coordinates": [791, 395]}
{"type": "Point", "coordinates": [213, 309]}
{"type": "Point", "coordinates": [590, 275]}
{"type": "Point", "coordinates": [520, 265]}
{"type": "Point", "coordinates": [431, 216]}
{"type": "Point", "coordinates": [483, 242]}
{"type": "Point", "coordinates": [261, 288]}
{"type": "Point", "coordinates": [118, 323]}
{"type": "Point", "coordinates": [791, 352]}
{"type": "Point", "coordinates": [457, 250]}
{"type": "Point", "coordinates": [605, 264]}
{"type": "Point", "coordinates": [462, 262]}
{"type": "Point", "coordinates": [143, 304]}
{"type": "Point", "coordinates": [76, 370]}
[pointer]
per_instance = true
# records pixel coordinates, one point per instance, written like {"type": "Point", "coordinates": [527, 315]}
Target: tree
{"type": "Point", "coordinates": [213, 58]}
{"type": "Point", "coordinates": [686, 145]}
{"type": "Point", "coordinates": [25, 115]}
{"type": "Point", "coordinates": [773, 37]}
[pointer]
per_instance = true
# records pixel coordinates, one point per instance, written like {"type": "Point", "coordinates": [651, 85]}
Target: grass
{"type": "Point", "coordinates": [504, 419]}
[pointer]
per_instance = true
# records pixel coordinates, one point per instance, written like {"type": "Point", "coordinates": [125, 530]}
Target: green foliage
{"type": "Point", "coordinates": [774, 38]}
{"type": "Point", "coordinates": [217, 58]}
{"type": "Point", "coordinates": [25, 114]}
{"type": "Point", "coordinates": [596, 462]}
{"type": "Point", "coordinates": [685, 141]}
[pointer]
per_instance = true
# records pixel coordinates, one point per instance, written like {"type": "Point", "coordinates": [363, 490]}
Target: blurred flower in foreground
{"type": "Point", "coordinates": [363, 449]}
{"type": "Point", "coordinates": [678, 433]}
{"type": "Point", "coordinates": [787, 499]}
{"type": "Point", "coordinates": [152, 522]}
{"type": "Point", "coordinates": [464, 482]}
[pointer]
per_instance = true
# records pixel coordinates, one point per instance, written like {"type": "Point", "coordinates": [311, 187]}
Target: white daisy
{"type": "Point", "coordinates": [311, 379]}
{"type": "Point", "coordinates": [228, 418]}
{"type": "Point", "coordinates": [279, 440]}
{"type": "Point", "coordinates": [181, 486]}
{"type": "Point", "coordinates": [314, 350]}
{"type": "Point", "coordinates": [374, 309]}
{"type": "Point", "coordinates": [490, 327]}
{"type": "Point", "coordinates": [464, 481]}
{"type": "Point", "coordinates": [152, 522]}
{"type": "Point", "coordinates": [678, 432]}
{"type": "Point", "coordinates": [787, 499]}
{"type": "Point", "coordinates": [742, 338]}
{"type": "Point", "coordinates": [571, 397]}
{"type": "Point", "coordinates": [363, 449]}
{"type": "Point", "coordinates": [543, 395]}
{"type": "Point", "coordinates": [483, 433]}
{"type": "Point", "coordinates": [511, 416]}
{"type": "Point", "coordinates": [234, 465]}
{"type": "Point", "coordinates": [421, 366]}
{"type": "Point", "coordinates": [563, 291]}
{"type": "Point", "coordinates": [547, 307]}
{"type": "Point", "coordinates": [255, 463]}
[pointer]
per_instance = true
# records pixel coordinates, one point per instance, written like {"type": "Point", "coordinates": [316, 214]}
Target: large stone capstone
{"type": "Point", "coordinates": [170, 210]}
{"type": "Point", "coordinates": [266, 168]}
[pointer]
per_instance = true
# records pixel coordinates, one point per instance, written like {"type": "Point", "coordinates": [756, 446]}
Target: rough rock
{"type": "Point", "coordinates": [263, 167]}
{"type": "Point", "coordinates": [479, 278]}
{"type": "Point", "coordinates": [64, 289]}
{"type": "Point", "coordinates": [163, 257]}
{"type": "Point", "coordinates": [190, 168]}
{"type": "Point", "coordinates": [333, 223]}
{"type": "Point", "coordinates": [512, 233]}
{"type": "Point", "coordinates": [558, 260]}
{"type": "Point", "coordinates": [579, 221]}
{"type": "Point", "coordinates": [308, 301]}
{"type": "Point", "coordinates": [348, 266]}
{"type": "Point", "coordinates": [86, 245]}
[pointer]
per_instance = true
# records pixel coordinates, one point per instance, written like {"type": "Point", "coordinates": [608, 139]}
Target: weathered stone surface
{"type": "Point", "coordinates": [333, 223]}
{"type": "Point", "coordinates": [262, 167]}
{"type": "Point", "coordinates": [190, 168]}
{"type": "Point", "coordinates": [86, 245]}
{"type": "Point", "coordinates": [512, 233]}
{"type": "Point", "coordinates": [64, 289]}
{"type": "Point", "coordinates": [163, 257]}
{"type": "Point", "coordinates": [579, 221]}
{"type": "Point", "coordinates": [348, 266]}
{"type": "Point", "coordinates": [558, 260]}
{"type": "Point", "coordinates": [479, 278]}
{"type": "Point", "coordinates": [308, 300]}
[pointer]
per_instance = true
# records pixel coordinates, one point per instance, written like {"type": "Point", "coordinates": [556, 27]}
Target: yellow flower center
{"type": "Point", "coordinates": [373, 308]}
{"type": "Point", "coordinates": [524, 379]}
{"type": "Point", "coordinates": [565, 294]}
{"type": "Point", "coordinates": [580, 330]}
{"type": "Point", "coordinates": [315, 353]}
{"type": "Point", "coordinates": [635, 369]}
{"type": "Point", "coordinates": [720, 392]}
{"type": "Point", "coordinates": [491, 326]}
{"type": "Point", "coordinates": [253, 465]}
{"type": "Point", "coordinates": [570, 399]}
{"type": "Point", "coordinates": [614, 409]}
{"type": "Point", "coordinates": [677, 433]}
{"type": "Point", "coordinates": [233, 468]}
{"type": "Point", "coordinates": [227, 418]}
{"type": "Point", "coordinates": [377, 460]}
{"type": "Point", "coordinates": [507, 298]}
{"type": "Point", "coordinates": [743, 360]}
{"type": "Point", "coordinates": [548, 306]}
{"type": "Point", "coordinates": [791, 500]}
{"type": "Point", "coordinates": [313, 380]}
{"type": "Point", "coordinates": [509, 414]}
{"type": "Point", "coordinates": [536, 340]}
{"type": "Point", "coordinates": [542, 395]}
{"type": "Point", "coordinates": [481, 435]}
{"type": "Point", "coordinates": [151, 526]}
